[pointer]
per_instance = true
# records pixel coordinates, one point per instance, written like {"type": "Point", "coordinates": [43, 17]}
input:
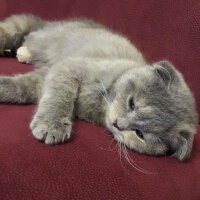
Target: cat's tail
{"type": "Point", "coordinates": [14, 28]}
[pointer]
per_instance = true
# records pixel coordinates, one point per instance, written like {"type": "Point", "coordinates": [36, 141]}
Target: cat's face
{"type": "Point", "coordinates": [153, 111]}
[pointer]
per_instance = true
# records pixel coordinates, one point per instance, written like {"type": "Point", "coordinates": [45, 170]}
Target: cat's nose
{"type": "Point", "coordinates": [116, 125]}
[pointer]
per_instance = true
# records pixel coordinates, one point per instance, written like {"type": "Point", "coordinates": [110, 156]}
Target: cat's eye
{"type": "Point", "coordinates": [131, 103]}
{"type": "Point", "coordinates": [139, 134]}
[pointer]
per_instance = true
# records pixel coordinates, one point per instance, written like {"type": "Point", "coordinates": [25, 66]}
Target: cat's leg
{"type": "Point", "coordinates": [22, 88]}
{"type": "Point", "coordinates": [52, 122]}
{"type": "Point", "coordinates": [14, 28]}
{"type": "Point", "coordinates": [34, 49]}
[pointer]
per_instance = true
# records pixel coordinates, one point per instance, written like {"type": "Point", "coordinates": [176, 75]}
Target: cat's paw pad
{"type": "Point", "coordinates": [50, 132]}
{"type": "Point", "coordinates": [24, 55]}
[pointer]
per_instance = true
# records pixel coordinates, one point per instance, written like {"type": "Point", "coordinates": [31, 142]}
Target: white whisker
{"type": "Point", "coordinates": [103, 86]}
{"type": "Point", "coordinates": [105, 91]}
{"type": "Point", "coordinates": [111, 144]}
{"type": "Point", "coordinates": [132, 163]}
{"type": "Point", "coordinates": [106, 100]}
{"type": "Point", "coordinates": [109, 147]}
{"type": "Point", "coordinates": [120, 156]}
{"type": "Point", "coordinates": [107, 133]}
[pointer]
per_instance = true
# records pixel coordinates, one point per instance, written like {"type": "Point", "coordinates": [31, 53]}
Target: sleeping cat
{"type": "Point", "coordinates": [85, 70]}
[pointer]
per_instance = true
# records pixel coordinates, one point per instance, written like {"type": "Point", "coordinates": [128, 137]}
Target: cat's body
{"type": "Point", "coordinates": [86, 71]}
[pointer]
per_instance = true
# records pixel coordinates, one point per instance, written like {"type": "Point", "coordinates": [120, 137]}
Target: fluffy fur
{"type": "Point", "coordinates": [85, 70]}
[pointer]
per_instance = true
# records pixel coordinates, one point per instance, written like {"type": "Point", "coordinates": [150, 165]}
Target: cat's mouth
{"type": "Point", "coordinates": [116, 131]}
{"type": "Point", "coordinates": [116, 126]}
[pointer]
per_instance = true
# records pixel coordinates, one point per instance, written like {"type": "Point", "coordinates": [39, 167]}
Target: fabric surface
{"type": "Point", "coordinates": [89, 165]}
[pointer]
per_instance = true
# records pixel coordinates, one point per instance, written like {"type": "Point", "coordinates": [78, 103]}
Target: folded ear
{"type": "Point", "coordinates": [165, 71]}
{"type": "Point", "coordinates": [183, 146]}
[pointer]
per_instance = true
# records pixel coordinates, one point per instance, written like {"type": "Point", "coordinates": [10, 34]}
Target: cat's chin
{"type": "Point", "coordinates": [118, 135]}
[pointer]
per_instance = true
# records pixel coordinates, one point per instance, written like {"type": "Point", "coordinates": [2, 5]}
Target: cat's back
{"type": "Point", "coordinates": [83, 38]}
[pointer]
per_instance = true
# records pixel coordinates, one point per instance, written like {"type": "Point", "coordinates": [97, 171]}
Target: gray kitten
{"type": "Point", "coordinates": [87, 71]}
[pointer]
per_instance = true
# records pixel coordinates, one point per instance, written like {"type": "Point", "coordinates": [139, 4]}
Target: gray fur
{"type": "Point", "coordinates": [89, 72]}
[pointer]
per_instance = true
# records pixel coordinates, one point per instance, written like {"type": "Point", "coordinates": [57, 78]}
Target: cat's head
{"type": "Point", "coordinates": [152, 111]}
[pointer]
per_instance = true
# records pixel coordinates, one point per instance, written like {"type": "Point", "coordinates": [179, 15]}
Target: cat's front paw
{"type": "Point", "coordinates": [51, 132]}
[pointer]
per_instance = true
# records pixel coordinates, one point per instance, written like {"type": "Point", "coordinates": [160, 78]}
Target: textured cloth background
{"type": "Point", "coordinates": [89, 165]}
